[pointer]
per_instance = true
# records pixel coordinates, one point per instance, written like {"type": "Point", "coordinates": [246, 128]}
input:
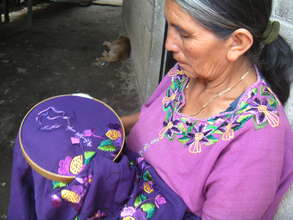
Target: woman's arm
{"type": "Point", "coordinates": [129, 120]}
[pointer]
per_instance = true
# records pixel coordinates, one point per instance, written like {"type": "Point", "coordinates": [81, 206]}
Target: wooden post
{"type": "Point", "coordinates": [30, 13]}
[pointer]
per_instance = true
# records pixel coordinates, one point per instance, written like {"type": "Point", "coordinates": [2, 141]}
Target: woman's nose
{"type": "Point", "coordinates": [172, 41]}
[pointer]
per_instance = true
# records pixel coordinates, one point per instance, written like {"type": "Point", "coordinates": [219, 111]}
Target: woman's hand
{"type": "Point", "coordinates": [129, 120]}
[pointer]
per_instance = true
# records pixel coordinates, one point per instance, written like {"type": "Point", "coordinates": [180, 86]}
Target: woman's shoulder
{"type": "Point", "coordinates": [261, 105]}
{"type": "Point", "coordinates": [167, 82]}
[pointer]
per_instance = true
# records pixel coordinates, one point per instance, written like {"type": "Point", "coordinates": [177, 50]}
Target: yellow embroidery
{"type": "Point", "coordinates": [229, 133]}
{"type": "Point", "coordinates": [113, 134]}
{"type": "Point", "coordinates": [196, 146]}
{"type": "Point", "coordinates": [272, 118]}
{"type": "Point", "coordinates": [70, 196]}
{"type": "Point", "coordinates": [165, 129]}
{"type": "Point", "coordinates": [128, 218]}
{"type": "Point", "coordinates": [147, 187]}
{"type": "Point", "coordinates": [169, 99]}
{"type": "Point", "coordinates": [76, 165]}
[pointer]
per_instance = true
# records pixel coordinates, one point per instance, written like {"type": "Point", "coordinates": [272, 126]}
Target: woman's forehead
{"type": "Point", "coordinates": [175, 11]}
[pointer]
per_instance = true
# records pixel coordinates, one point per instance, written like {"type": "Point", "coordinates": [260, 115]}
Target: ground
{"type": "Point", "coordinates": [57, 56]}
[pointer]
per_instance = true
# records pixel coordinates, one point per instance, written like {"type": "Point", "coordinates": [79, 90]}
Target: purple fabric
{"type": "Point", "coordinates": [237, 172]}
{"type": "Point", "coordinates": [31, 194]}
{"type": "Point", "coordinates": [61, 128]}
{"type": "Point", "coordinates": [71, 134]}
{"type": "Point", "coordinates": [117, 191]}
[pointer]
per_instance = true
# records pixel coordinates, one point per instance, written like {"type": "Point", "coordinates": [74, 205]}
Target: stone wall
{"type": "Point", "coordinates": [283, 12]}
{"type": "Point", "coordinates": [145, 25]}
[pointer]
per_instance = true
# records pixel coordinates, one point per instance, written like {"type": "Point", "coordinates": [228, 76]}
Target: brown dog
{"type": "Point", "coordinates": [117, 50]}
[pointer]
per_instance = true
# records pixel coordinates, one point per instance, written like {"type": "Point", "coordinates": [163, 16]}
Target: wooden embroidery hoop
{"type": "Point", "coordinates": [48, 174]}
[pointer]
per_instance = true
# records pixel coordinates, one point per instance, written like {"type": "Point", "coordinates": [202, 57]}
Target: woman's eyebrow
{"type": "Point", "coordinates": [179, 28]}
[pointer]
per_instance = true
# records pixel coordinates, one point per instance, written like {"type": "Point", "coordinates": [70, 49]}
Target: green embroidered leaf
{"type": "Point", "coordinates": [184, 120]}
{"type": "Point", "coordinates": [262, 90]}
{"type": "Point", "coordinates": [212, 140]}
{"type": "Point", "coordinates": [255, 91]}
{"type": "Point", "coordinates": [212, 121]}
{"type": "Point", "coordinates": [273, 102]}
{"type": "Point", "coordinates": [150, 209]}
{"type": "Point", "coordinates": [177, 84]}
{"type": "Point", "coordinates": [139, 199]}
{"type": "Point", "coordinates": [109, 148]}
{"type": "Point", "coordinates": [218, 131]}
{"type": "Point", "coordinates": [212, 127]}
{"type": "Point", "coordinates": [265, 91]}
{"type": "Point", "coordinates": [88, 156]}
{"type": "Point", "coordinates": [244, 118]}
{"type": "Point", "coordinates": [168, 116]}
{"type": "Point", "coordinates": [168, 93]}
{"type": "Point", "coordinates": [228, 116]}
{"type": "Point", "coordinates": [260, 126]}
{"type": "Point", "coordinates": [184, 139]}
{"type": "Point", "coordinates": [189, 129]}
{"type": "Point", "coordinates": [181, 127]}
{"type": "Point", "coordinates": [57, 185]}
{"type": "Point", "coordinates": [243, 107]}
{"type": "Point", "coordinates": [236, 128]}
{"type": "Point", "coordinates": [172, 86]}
{"type": "Point", "coordinates": [77, 218]}
{"type": "Point", "coordinates": [107, 145]}
{"type": "Point", "coordinates": [147, 176]}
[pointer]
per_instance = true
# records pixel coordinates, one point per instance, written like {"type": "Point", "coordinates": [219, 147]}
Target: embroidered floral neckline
{"type": "Point", "coordinates": [258, 103]}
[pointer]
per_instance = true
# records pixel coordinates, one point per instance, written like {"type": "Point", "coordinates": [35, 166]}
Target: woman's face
{"type": "Point", "coordinates": [198, 51]}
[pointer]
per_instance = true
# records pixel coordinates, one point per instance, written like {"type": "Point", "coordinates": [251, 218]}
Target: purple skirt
{"type": "Point", "coordinates": [129, 189]}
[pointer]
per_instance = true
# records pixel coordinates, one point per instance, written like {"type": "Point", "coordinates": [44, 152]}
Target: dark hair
{"type": "Point", "coordinates": [224, 17]}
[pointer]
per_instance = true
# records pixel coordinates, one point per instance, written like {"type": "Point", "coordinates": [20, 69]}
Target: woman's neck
{"type": "Point", "coordinates": [201, 91]}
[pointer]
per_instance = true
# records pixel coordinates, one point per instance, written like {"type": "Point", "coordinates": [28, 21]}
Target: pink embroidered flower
{"type": "Point", "coordinates": [64, 166]}
{"type": "Point", "coordinates": [88, 133]}
{"type": "Point", "coordinates": [160, 200]}
{"type": "Point", "coordinates": [75, 140]}
{"type": "Point", "coordinates": [127, 211]}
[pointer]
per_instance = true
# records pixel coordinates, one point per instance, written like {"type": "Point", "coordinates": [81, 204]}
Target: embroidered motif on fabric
{"type": "Point", "coordinates": [110, 143]}
{"type": "Point", "coordinates": [51, 119]}
{"type": "Point", "coordinates": [112, 139]}
{"type": "Point", "coordinates": [76, 190]}
{"type": "Point", "coordinates": [259, 104]}
{"type": "Point", "coordinates": [147, 201]}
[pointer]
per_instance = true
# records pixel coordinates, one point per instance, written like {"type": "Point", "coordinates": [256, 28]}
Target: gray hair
{"type": "Point", "coordinates": [207, 16]}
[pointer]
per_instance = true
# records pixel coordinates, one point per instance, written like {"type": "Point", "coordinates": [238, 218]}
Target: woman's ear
{"type": "Point", "coordinates": [240, 41]}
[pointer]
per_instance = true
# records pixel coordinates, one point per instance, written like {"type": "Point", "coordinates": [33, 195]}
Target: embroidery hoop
{"type": "Point", "coordinates": [48, 174]}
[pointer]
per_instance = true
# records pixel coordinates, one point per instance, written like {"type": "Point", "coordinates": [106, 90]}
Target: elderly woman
{"type": "Point", "coordinates": [213, 139]}
{"type": "Point", "coordinates": [215, 128]}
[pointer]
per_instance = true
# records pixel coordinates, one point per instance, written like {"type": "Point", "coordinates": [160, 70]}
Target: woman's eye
{"type": "Point", "coordinates": [182, 32]}
{"type": "Point", "coordinates": [184, 35]}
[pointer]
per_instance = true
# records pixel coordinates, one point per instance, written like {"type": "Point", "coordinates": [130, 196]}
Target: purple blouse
{"type": "Point", "coordinates": [235, 165]}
